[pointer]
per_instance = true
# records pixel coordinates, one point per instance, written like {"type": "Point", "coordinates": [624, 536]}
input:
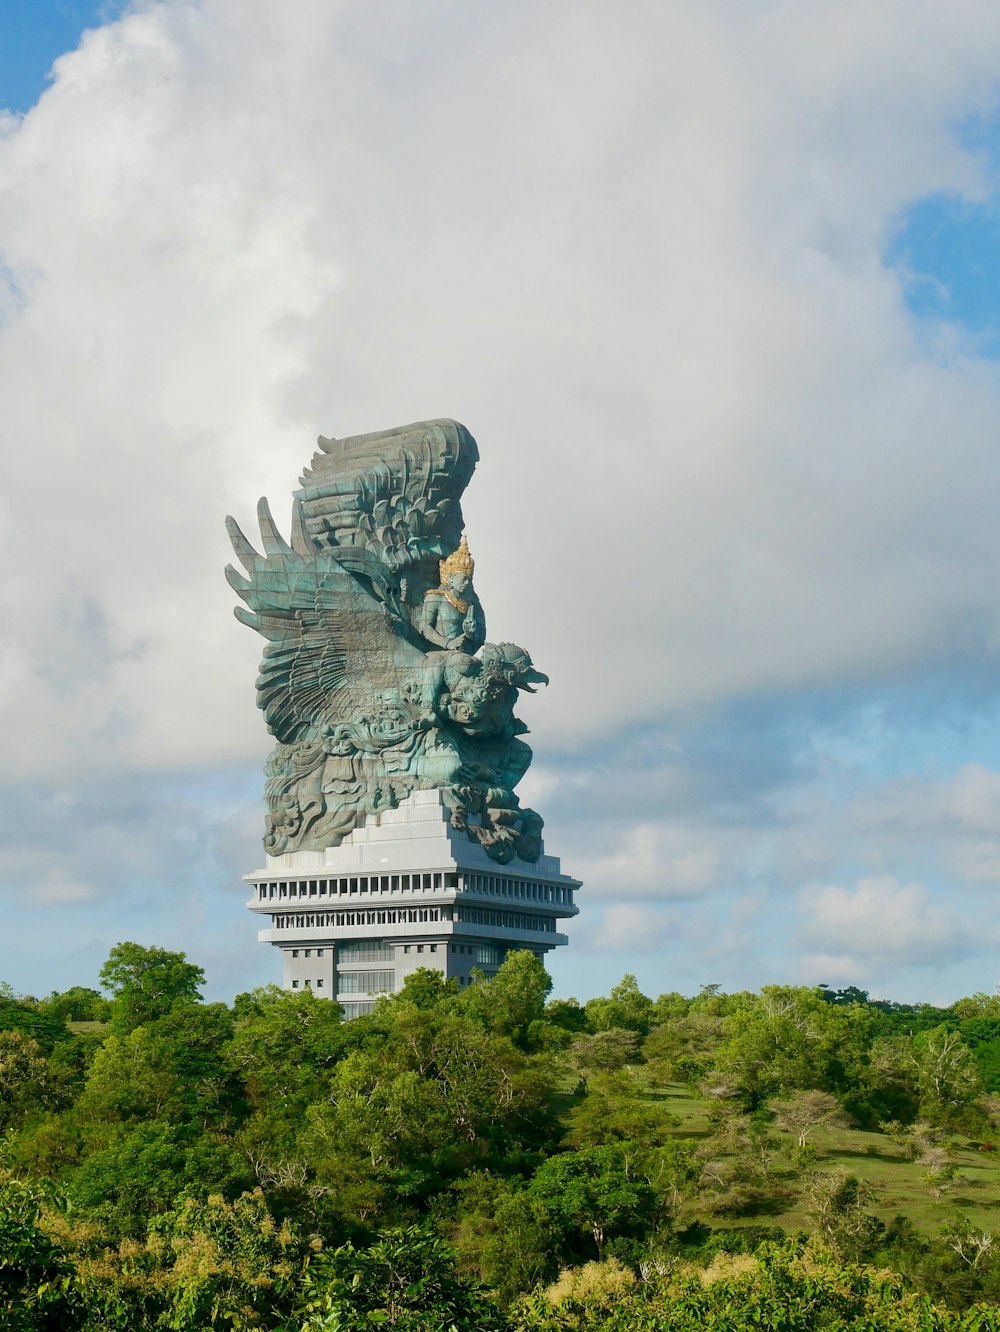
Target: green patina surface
{"type": "Point", "coordinates": [376, 679]}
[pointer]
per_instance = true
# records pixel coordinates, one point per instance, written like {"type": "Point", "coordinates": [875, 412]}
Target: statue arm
{"type": "Point", "coordinates": [474, 627]}
{"type": "Point", "coordinates": [428, 623]}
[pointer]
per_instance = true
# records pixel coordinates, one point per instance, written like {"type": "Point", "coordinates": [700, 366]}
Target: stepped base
{"type": "Point", "coordinates": [405, 891]}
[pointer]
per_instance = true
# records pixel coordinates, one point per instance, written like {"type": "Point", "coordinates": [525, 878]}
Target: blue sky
{"type": "Point", "coordinates": [716, 289]}
{"type": "Point", "coordinates": [948, 249]}
{"type": "Point", "coordinates": [33, 34]}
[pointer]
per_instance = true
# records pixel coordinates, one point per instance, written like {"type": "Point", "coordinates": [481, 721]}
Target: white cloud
{"type": "Point", "coordinates": [957, 818]}
{"type": "Point", "coordinates": [671, 860]}
{"type": "Point", "coordinates": [881, 920]}
{"type": "Point", "coordinates": [630, 928]}
{"type": "Point", "coordinates": [640, 254]}
{"type": "Point", "coordinates": [968, 802]}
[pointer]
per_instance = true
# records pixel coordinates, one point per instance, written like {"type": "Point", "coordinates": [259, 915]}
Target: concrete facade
{"type": "Point", "coordinates": [405, 891]}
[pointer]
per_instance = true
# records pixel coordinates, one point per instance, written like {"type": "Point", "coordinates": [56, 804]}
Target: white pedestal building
{"type": "Point", "coordinates": [405, 891]}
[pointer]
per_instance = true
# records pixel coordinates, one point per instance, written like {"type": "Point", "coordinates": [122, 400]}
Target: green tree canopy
{"type": "Point", "coordinates": [626, 1007]}
{"type": "Point", "coordinates": [146, 983]}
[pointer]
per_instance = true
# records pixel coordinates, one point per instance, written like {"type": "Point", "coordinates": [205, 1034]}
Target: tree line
{"type": "Point", "coordinates": [484, 1158]}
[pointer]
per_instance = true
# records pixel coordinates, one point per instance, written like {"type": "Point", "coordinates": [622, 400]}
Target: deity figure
{"type": "Point", "coordinates": [452, 617]}
{"type": "Point", "coordinates": [375, 682]}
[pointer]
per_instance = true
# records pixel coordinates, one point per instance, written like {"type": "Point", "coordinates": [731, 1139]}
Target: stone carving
{"type": "Point", "coordinates": [452, 616]}
{"type": "Point", "coordinates": [376, 680]}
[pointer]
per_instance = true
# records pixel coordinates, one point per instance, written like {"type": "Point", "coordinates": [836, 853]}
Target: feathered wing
{"type": "Point", "coordinates": [324, 629]}
{"type": "Point", "coordinates": [395, 493]}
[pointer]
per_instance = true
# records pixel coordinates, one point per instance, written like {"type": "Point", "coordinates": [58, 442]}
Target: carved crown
{"type": "Point", "coordinates": [459, 561]}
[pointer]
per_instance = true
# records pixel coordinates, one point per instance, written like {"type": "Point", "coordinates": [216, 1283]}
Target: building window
{"type": "Point", "coordinates": [308, 984]}
{"type": "Point", "coordinates": [295, 952]}
{"type": "Point", "coordinates": [357, 1009]}
{"type": "Point", "coordinates": [366, 982]}
{"type": "Point", "coordinates": [490, 955]}
{"type": "Point", "coordinates": [319, 984]}
{"type": "Point", "coordinates": [365, 950]}
{"type": "Point", "coordinates": [319, 952]}
{"type": "Point", "coordinates": [295, 985]}
{"type": "Point", "coordinates": [309, 952]}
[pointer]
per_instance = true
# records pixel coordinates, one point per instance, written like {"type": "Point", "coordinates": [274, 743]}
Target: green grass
{"type": "Point", "coordinates": [898, 1183]}
{"type": "Point", "coordinates": [94, 1028]}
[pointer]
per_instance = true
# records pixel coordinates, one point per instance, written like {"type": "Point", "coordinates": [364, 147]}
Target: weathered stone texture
{"type": "Point", "coordinates": [376, 679]}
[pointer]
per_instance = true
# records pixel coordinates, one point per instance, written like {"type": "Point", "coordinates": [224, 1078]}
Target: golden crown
{"type": "Point", "coordinates": [459, 561]}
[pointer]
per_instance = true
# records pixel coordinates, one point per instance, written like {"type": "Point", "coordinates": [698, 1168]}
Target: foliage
{"type": "Point", "coordinates": [437, 1163]}
{"type": "Point", "coordinates": [146, 982]}
{"type": "Point", "coordinates": [626, 1008]}
{"type": "Point", "coordinates": [837, 1205]}
{"type": "Point", "coordinates": [26, 1079]}
{"type": "Point", "coordinates": [504, 1233]}
{"type": "Point", "coordinates": [806, 1111]}
{"type": "Point", "coordinates": [596, 1191]}
{"type": "Point", "coordinates": [77, 1004]}
{"type": "Point", "coordinates": [406, 1279]}
{"type": "Point", "coordinates": [779, 1290]}
{"type": "Point", "coordinates": [38, 1290]}
{"type": "Point", "coordinates": [30, 1019]}
{"type": "Point", "coordinates": [615, 1109]}
{"type": "Point", "coordinates": [514, 1002]}
{"type": "Point", "coordinates": [606, 1051]}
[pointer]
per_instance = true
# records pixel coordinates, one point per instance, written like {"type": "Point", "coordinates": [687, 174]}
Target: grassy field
{"type": "Point", "coordinates": [898, 1182]}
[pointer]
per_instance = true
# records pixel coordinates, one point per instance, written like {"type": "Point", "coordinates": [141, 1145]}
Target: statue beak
{"type": "Point", "coordinates": [534, 677]}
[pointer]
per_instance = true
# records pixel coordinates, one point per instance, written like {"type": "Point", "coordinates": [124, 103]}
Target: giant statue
{"type": "Point", "coordinates": [377, 679]}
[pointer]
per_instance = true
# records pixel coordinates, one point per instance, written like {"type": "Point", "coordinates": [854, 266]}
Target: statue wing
{"type": "Point", "coordinates": [394, 494]}
{"type": "Point", "coordinates": [325, 631]}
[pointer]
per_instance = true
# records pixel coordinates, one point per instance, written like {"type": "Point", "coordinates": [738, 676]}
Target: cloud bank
{"type": "Point", "coordinates": [640, 253]}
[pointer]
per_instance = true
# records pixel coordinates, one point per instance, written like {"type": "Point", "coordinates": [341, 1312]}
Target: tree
{"type": "Point", "coordinates": [146, 983]}
{"type": "Point", "coordinates": [788, 1039]}
{"type": "Point", "coordinates": [77, 1004]}
{"type": "Point", "coordinates": [133, 1171]}
{"type": "Point", "coordinates": [625, 1007]}
{"type": "Point", "coordinates": [225, 1264]}
{"type": "Point", "coordinates": [31, 1020]}
{"type": "Point", "coordinates": [777, 1288]}
{"type": "Point", "coordinates": [38, 1289]}
{"type": "Point", "coordinates": [131, 1078]}
{"type": "Point", "coordinates": [682, 1048]}
{"type": "Point", "coordinates": [604, 1052]}
{"type": "Point", "coordinates": [439, 1095]}
{"type": "Point", "coordinates": [737, 1176]}
{"type": "Point", "coordinates": [504, 1233]}
{"type": "Point", "coordinates": [805, 1111]}
{"type": "Point", "coordinates": [837, 1203]}
{"type": "Point", "coordinates": [427, 988]}
{"type": "Point", "coordinates": [407, 1280]}
{"type": "Point", "coordinates": [613, 1110]}
{"type": "Point", "coordinates": [26, 1081]}
{"type": "Point", "coordinates": [284, 1044]}
{"type": "Point", "coordinates": [596, 1192]}
{"type": "Point", "coordinates": [513, 999]}
{"type": "Point", "coordinates": [947, 1076]}
{"type": "Point", "coordinates": [566, 1014]}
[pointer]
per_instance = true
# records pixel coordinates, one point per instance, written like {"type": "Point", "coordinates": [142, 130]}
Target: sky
{"type": "Point", "coordinates": [715, 285]}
